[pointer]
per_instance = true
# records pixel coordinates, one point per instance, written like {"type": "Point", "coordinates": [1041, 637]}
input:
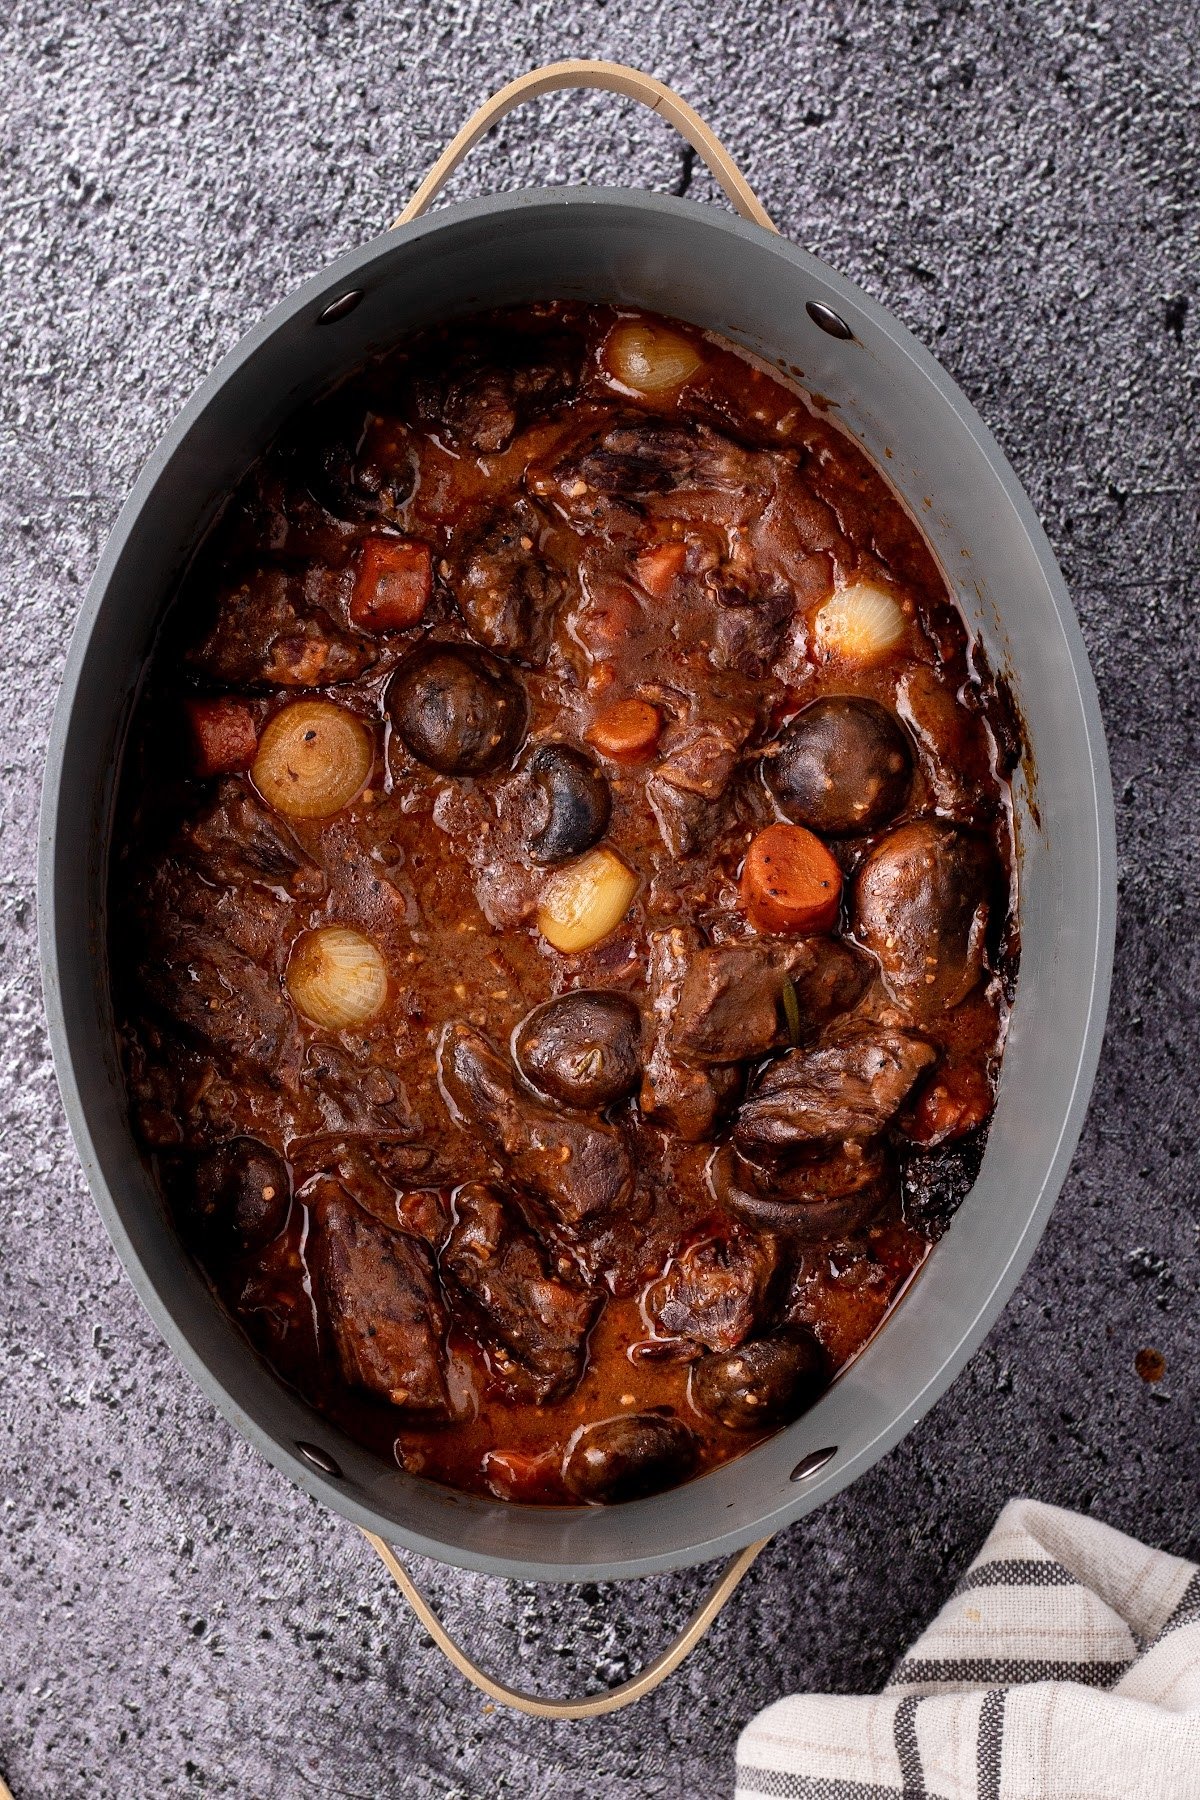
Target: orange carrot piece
{"type": "Point", "coordinates": [790, 882]}
{"type": "Point", "coordinates": [224, 736]}
{"type": "Point", "coordinates": [955, 1102]}
{"type": "Point", "coordinates": [658, 567]}
{"type": "Point", "coordinates": [625, 730]}
{"type": "Point", "coordinates": [393, 584]}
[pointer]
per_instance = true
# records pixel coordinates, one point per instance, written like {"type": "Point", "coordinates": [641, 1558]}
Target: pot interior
{"type": "Point", "coordinates": [691, 262]}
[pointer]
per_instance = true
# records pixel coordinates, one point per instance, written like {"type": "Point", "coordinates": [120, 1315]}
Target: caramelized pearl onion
{"type": "Point", "coordinates": [337, 977]}
{"type": "Point", "coordinates": [313, 758]}
{"type": "Point", "coordinates": [585, 901]}
{"type": "Point", "coordinates": [649, 358]}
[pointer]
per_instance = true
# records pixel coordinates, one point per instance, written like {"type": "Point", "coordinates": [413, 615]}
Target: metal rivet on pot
{"type": "Point", "coordinates": [320, 1459]}
{"type": "Point", "coordinates": [337, 309]}
{"type": "Point", "coordinates": [828, 320]}
{"type": "Point", "coordinates": [816, 1459]}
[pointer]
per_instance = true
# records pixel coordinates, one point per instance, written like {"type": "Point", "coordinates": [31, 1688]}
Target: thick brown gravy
{"type": "Point", "coordinates": [645, 560]}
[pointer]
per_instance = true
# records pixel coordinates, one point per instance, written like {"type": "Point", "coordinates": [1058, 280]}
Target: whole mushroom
{"type": "Point", "coordinates": [582, 1049]}
{"type": "Point", "coordinates": [457, 709]}
{"type": "Point", "coordinates": [844, 765]}
{"type": "Point", "coordinates": [626, 1457]}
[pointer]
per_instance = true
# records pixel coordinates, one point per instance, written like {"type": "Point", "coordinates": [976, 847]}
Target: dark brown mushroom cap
{"type": "Point", "coordinates": [457, 709]}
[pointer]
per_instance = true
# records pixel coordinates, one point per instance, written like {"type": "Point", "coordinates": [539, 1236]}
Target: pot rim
{"type": "Point", "coordinates": [313, 295]}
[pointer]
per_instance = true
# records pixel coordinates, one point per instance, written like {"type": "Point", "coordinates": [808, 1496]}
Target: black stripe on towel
{"type": "Point", "coordinates": [1016, 1572]}
{"type": "Point", "coordinates": [1187, 1612]}
{"type": "Point", "coordinates": [908, 1754]}
{"type": "Point", "coordinates": [778, 1784]}
{"type": "Point", "coordinates": [990, 1747]}
{"type": "Point", "coordinates": [1004, 1671]}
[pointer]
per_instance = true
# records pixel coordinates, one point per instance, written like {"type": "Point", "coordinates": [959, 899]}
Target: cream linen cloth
{"type": "Point", "coordinates": [1065, 1666]}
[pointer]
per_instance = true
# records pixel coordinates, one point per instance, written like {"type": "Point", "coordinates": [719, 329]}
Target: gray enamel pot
{"type": "Point", "coordinates": [740, 279]}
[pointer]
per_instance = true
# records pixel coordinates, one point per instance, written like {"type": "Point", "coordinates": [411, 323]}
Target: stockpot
{"type": "Point", "coordinates": [738, 277]}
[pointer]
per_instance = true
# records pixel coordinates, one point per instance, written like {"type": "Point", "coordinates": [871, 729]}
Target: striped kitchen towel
{"type": "Point", "coordinates": [1065, 1666]}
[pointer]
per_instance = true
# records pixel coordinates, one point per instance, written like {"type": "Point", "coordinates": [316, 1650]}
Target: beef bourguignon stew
{"type": "Point", "coordinates": [563, 903]}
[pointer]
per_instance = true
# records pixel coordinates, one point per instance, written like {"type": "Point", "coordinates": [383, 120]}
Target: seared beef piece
{"type": "Point", "coordinates": [628, 1456]}
{"type": "Point", "coordinates": [688, 822]}
{"type": "Point", "coordinates": [731, 1003]}
{"type": "Point", "coordinates": [763, 1384]}
{"type": "Point", "coordinates": [748, 631]}
{"type": "Point", "coordinates": [523, 1312]}
{"type": "Point", "coordinates": [483, 394]}
{"type": "Point", "coordinates": [354, 1095]}
{"type": "Point", "coordinates": [716, 1287]}
{"type": "Point", "coordinates": [242, 1188]}
{"type": "Point", "coordinates": [269, 634]}
{"type": "Point", "coordinates": [215, 993]}
{"type": "Point", "coordinates": [582, 1049]}
{"type": "Point", "coordinates": [922, 902]}
{"type": "Point", "coordinates": [238, 840]}
{"type": "Point", "coordinates": [689, 1101]}
{"type": "Point", "coordinates": [934, 1183]}
{"type": "Point", "coordinates": [689, 468]}
{"type": "Point", "coordinates": [816, 1201]}
{"type": "Point", "coordinates": [505, 586]}
{"type": "Point", "coordinates": [379, 1290]}
{"type": "Point", "coordinates": [689, 790]}
{"type": "Point", "coordinates": [577, 1167]}
{"type": "Point", "coordinates": [847, 1087]}
{"type": "Point", "coordinates": [384, 1174]}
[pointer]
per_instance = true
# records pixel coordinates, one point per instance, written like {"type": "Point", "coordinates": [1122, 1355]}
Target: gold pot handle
{"type": "Point", "coordinates": [616, 78]}
{"type": "Point", "coordinates": [591, 1705]}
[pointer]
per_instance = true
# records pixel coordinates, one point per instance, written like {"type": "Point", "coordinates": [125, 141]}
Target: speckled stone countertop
{"type": "Point", "coordinates": [1019, 183]}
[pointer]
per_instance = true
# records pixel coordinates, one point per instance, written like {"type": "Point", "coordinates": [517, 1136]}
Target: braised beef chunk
{"type": "Point", "coordinates": [731, 1004]}
{"type": "Point", "coordinates": [534, 1323]}
{"type": "Point", "coordinates": [849, 1087]}
{"type": "Point", "coordinates": [640, 459]}
{"type": "Point", "coordinates": [577, 1167]}
{"type": "Point", "coordinates": [380, 1294]}
{"type": "Point", "coordinates": [505, 586]}
{"type": "Point", "coordinates": [808, 1200]}
{"type": "Point", "coordinates": [217, 995]}
{"type": "Point", "coordinates": [269, 632]}
{"type": "Point", "coordinates": [687, 1100]}
{"type": "Point", "coordinates": [716, 1287]}
{"type": "Point", "coordinates": [748, 631]}
{"type": "Point", "coordinates": [559, 910]}
{"type": "Point", "coordinates": [486, 389]}
{"type": "Point", "coordinates": [238, 840]}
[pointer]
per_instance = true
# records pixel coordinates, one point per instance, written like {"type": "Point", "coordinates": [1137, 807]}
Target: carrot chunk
{"type": "Point", "coordinates": [625, 730]}
{"type": "Point", "coordinates": [956, 1102]}
{"type": "Point", "coordinates": [393, 584]}
{"type": "Point", "coordinates": [790, 882]}
{"type": "Point", "coordinates": [657, 568]}
{"type": "Point", "coordinates": [224, 736]}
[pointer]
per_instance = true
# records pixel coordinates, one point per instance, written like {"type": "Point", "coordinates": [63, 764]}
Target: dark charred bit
{"type": "Point", "coordinates": [934, 1183]}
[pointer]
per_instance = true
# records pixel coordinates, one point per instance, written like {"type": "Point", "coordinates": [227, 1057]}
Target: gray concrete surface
{"type": "Point", "coordinates": [1019, 183]}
